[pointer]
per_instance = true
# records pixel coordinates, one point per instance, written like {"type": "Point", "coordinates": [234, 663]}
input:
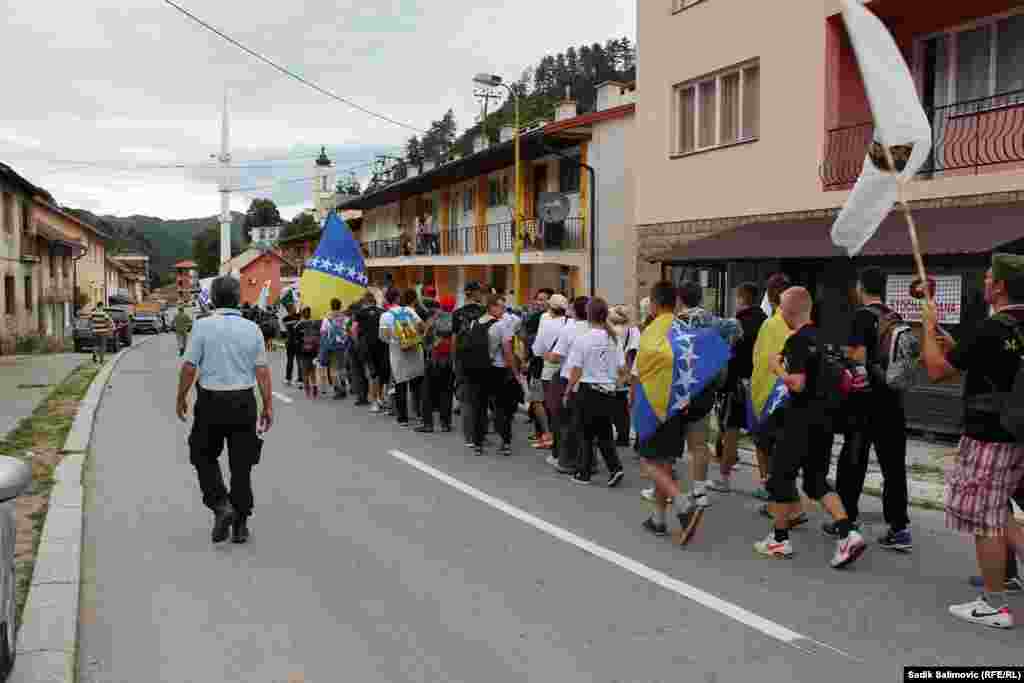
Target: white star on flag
{"type": "Point", "coordinates": [339, 267]}
{"type": "Point", "coordinates": [780, 394]}
{"type": "Point", "coordinates": [689, 356]}
{"type": "Point", "coordinates": [680, 403]}
{"type": "Point", "coordinates": [686, 379]}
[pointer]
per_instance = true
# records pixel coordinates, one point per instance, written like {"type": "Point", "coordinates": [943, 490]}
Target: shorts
{"type": "Point", "coordinates": [306, 362]}
{"type": "Point", "coordinates": [980, 485]}
{"type": "Point", "coordinates": [767, 434]}
{"type": "Point", "coordinates": [535, 391]}
{"type": "Point", "coordinates": [732, 410]}
{"type": "Point", "coordinates": [804, 443]}
{"type": "Point", "coordinates": [666, 445]}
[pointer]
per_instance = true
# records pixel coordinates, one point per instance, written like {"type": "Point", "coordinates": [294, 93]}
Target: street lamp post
{"type": "Point", "coordinates": [493, 81]}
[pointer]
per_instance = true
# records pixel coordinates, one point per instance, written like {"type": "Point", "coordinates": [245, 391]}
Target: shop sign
{"type": "Point", "coordinates": [948, 297]}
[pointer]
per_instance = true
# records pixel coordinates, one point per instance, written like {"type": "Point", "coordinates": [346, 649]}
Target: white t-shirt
{"type": "Point", "coordinates": [566, 338]}
{"type": "Point", "coordinates": [547, 335]}
{"type": "Point", "coordinates": [629, 340]}
{"type": "Point", "coordinates": [502, 331]}
{"type": "Point", "coordinates": [598, 356]}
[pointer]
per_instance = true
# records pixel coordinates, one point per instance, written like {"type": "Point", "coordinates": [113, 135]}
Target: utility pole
{"type": "Point", "coordinates": [225, 186]}
{"type": "Point", "coordinates": [486, 96]}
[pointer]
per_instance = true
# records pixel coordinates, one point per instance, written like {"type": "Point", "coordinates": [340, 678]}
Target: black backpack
{"type": "Point", "coordinates": [474, 346]}
{"type": "Point", "coordinates": [369, 325]}
{"type": "Point", "coordinates": [833, 380]}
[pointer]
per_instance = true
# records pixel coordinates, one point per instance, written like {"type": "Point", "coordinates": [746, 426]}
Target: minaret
{"type": "Point", "coordinates": [323, 189]}
{"type": "Point", "coordinates": [225, 186]}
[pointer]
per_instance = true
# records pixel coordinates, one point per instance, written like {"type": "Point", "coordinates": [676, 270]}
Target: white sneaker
{"type": "Point", "coordinates": [551, 460]}
{"type": "Point", "coordinates": [720, 485]}
{"type": "Point", "coordinates": [648, 495]}
{"type": "Point", "coordinates": [769, 547]}
{"type": "Point", "coordinates": [701, 499]}
{"type": "Point", "coordinates": [980, 612]}
{"type": "Point", "coordinates": [848, 550]}
{"type": "Point", "coordinates": [376, 409]}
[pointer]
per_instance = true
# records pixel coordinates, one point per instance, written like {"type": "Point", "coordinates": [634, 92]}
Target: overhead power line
{"type": "Point", "coordinates": [275, 183]}
{"type": "Point", "coordinates": [288, 72]}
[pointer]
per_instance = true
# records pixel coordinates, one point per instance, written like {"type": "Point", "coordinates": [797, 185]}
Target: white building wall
{"type": "Point", "coordinates": [616, 237]}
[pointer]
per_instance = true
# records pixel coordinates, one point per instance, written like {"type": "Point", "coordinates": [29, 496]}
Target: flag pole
{"type": "Point", "coordinates": [915, 244]}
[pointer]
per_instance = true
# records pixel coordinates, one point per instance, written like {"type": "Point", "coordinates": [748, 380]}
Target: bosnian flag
{"type": "Point", "coordinates": [777, 399]}
{"type": "Point", "coordinates": [336, 271]}
{"type": "Point", "coordinates": [900, 124]}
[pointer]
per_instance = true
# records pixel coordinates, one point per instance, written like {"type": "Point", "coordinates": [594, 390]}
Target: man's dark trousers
{"type": "Point", "coordinates": [225, 417]}
{"type": "Point", "coordinates": [570, 439]}
{"type": "Point", "coordinates": [486, 386]}
{"type": "Point", "coordinates": [437, 393]}
{"type": "Point", "coordinates": [876, 418]}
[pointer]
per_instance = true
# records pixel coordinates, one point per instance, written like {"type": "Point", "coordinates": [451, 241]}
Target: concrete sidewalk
{"type": "Point", "coordinates": [26, 380]}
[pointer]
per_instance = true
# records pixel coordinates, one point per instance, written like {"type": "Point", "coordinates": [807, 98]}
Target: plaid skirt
{"type": "Point", "coordinates": [980, 485]}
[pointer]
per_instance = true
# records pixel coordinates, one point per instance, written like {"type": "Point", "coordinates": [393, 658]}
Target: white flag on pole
{"type": "Point", "coordinates": [900, 122]}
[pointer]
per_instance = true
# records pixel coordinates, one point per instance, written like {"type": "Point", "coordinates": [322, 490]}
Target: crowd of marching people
{"type": "Point", "coordinates": [580, 367]}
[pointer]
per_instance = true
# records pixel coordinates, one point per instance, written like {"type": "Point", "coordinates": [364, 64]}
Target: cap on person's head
{"type": "Point", "coordinates": [558, 301]}
{"type": "Point", "coordinates": [1007, 267]}
{"type": "Point", "coordinates": [472, 286]}
{"type": "Point", "coordinates": [430, 291]}
{"type": "Point", "coordinates": [447, 303]}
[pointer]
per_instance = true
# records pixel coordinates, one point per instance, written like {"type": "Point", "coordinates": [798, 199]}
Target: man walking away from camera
{"type": "Point", "coordinates": [226, 354]}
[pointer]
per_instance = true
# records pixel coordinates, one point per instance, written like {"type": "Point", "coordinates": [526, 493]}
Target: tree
{"type": "Point", "coordinates": [206, 250]}
{"type": "Point", "coordinates": [262, 213]}
{"type": "Point", "coordinates": [301, 224]}
{"type": "Point", "coordinates": [414, 152]}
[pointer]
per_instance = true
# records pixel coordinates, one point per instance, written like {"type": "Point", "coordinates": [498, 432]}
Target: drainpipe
{"type": "Point", "coordinates": [74, 282]}
{"type": "Point", "coordinates": [593, 212]}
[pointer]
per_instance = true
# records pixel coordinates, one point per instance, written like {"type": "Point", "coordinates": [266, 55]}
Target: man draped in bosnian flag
{"type": "Point", "coordinates": [900, 125]}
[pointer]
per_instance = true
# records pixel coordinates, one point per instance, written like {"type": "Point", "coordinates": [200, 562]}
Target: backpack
{"type": "Point", "coordinates": [310, 337]}
{"type": "Point", "coordinates": [474, 347]}
{"type": "Point", "coordinates": [444, 324]}
{"type": "Point", "coordinates": [897, 358]}
{"type": "Point", "coordinates": [405, 330]}
{"type": "Point", "coordinates": [834, 379]}
{"type": "Point", "coordinates": [334, 336]}
{"type": "Point", "coordinates": [1010, 404]}
{"type": "Point", "coordinates": [370, 331]}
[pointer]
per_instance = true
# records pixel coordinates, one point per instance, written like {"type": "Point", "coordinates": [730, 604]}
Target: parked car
{"type": "Point", "coordinates": [148, 323]}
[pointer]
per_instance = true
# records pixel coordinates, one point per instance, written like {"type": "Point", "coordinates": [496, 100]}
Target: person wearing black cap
{"type": "Point", "coordinates": [462, 318]}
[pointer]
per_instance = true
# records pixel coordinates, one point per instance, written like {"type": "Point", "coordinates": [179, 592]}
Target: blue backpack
{"type": "Point", "coordinates": [334, 336]}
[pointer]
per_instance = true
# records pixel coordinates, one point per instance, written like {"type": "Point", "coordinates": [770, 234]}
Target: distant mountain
{"type": "Point", "coordinates": [165, 241]}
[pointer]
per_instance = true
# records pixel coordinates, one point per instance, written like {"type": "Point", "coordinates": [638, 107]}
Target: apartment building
{"type": "Point", "coordinates": [751, 133]}
{"type": "Point", "coordinates": [451, 223]}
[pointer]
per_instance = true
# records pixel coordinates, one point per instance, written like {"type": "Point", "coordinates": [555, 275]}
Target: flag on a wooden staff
{"type": "Point", "coordinates": [900, 125]}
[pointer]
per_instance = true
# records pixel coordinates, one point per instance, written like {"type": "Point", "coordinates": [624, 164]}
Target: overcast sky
{"type": "Point", "coordinates": [129, 82]}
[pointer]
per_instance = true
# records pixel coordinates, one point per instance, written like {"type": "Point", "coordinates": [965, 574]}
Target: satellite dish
{"type": "Point", "coordinates": [553, 207]}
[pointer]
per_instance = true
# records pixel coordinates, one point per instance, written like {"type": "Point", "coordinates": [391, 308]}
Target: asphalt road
{"type": "Point", "coordinates": [383, 555]}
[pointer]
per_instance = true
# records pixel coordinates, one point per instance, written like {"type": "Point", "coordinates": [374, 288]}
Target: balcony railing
{"type": "Point", "coordinates": [494, 238]}
{"type": "Point", "coordinates": [967, 137]}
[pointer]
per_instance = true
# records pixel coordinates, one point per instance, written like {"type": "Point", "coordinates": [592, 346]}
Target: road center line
{"type": "Point", "coordinates": [283, 398]}
{"type": "Point", "coordinates": [723, 607]}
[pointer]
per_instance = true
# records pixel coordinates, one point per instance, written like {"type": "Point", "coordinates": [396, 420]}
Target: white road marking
{"type": "Point", "coordinates": [283, 398]}
{"type": "Point", "coordinates": [723, 607]}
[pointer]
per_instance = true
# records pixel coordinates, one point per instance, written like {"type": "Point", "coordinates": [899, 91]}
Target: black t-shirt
{"type": "Point", "coordinates": [291, 324]}
{"type": "Point", "coordinates": [800, 356]}
{"type": "Point", "coordinates": [741, 365]}
{"type": "Point", "coordinates": [368, 318]}
{"type": "Point", "coordinates": [988, 358]}
{"type": "Point", "coordinates": [463, 317]}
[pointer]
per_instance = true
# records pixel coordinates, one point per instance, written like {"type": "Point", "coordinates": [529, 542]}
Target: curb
{"type": "Point", "coordinates": [48, 634]}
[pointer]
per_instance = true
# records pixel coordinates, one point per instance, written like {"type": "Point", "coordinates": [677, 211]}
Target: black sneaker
{"type": "Point", "coordinates": [830, 530]}
{"type": "Point", "coordinates": [655, 528]}
{"type": "Point", "coordinates": [506, 449]}
{"type": "Point", "coordinates": [478, 450]}
{"type": "Point", "coordinates": [616, 478]}
{"type": "Point", "coordinates": [580, 479]}
{"type": "Point", "coordinates": [897, 540]}
{"type": "Point", "coordinates": [223, 518]}
{"type": "Point", "coordinates": [240, 531]}
{"type": "Point", "coordinates": [424, 430]}
{"type": "Point", "coordinates": [362, 402]}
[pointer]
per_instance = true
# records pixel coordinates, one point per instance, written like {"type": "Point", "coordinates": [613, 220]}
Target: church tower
{"type": "Point", "coordinates": [324, 190]}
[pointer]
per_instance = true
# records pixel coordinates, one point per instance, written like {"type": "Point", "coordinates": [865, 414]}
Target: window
{"type": "Point", "coordinates": [569, 174]}
{"type": "Point", "coordinates": [493, 192]}
{"type": "Point", "coordinates": [974, 63]}
{"type": "Point", "coordinates": [722, 109]}
{"type": "Point", "coordinates": [28, 292]}
{"type": "Point", "coordinates": [9, 294]}
{"type": "Point", "coordinates": [467, 200]}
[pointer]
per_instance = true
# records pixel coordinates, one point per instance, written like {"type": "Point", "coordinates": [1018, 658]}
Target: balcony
{"type": "Point", "coordinates": [971, 137]}
{"type": "Point", "coordinates": [494, 238]}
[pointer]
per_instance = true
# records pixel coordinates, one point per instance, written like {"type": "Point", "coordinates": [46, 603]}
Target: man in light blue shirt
{"type": "Point", "coordinates": [227, 355]}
